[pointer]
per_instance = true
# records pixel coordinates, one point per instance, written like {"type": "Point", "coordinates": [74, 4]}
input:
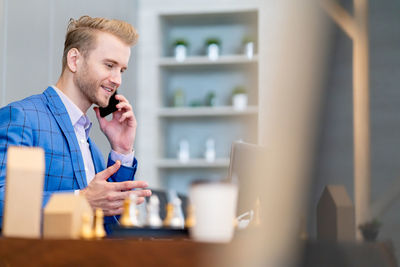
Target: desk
{"type": "Point", "coordinates": [108, 252]}
{"type": "Point", "coordinates": [145, 253]}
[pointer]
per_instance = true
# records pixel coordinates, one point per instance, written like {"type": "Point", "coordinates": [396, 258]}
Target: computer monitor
{"type": "Point", "coordinates": [247, 168]}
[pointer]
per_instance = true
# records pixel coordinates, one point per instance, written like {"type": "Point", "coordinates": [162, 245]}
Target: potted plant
{"type": "Point", "coordinates": [211, 99]}
{"type": "Point", "coordinates": [248, 44]}
{"type": "Point", "coordinates": [179, 98]}
{"type": "Point", "coordinates": [239, 98]}
{"type": "Point", "coordinates": [180, 49]}
{"type": "Point", "coordinates": [370, 230]}
{"type": "Point", "coordinates": [213, 47]}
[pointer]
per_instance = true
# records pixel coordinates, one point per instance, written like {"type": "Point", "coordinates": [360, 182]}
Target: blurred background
{"type": "Point", "coordinates": [186, 114]}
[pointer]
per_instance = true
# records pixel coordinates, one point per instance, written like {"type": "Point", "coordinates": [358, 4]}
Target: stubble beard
{"type": "Point", "coordinates": [89, 87]}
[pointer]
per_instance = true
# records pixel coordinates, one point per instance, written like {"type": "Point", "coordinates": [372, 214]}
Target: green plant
{"type": "Point", "coordinates": [210, 99]}
{"type": "Point", "coordinates": [239, 90]}
{"type": "Point", "coordinates": [370, 229]}
{"type": "Point", "coordinates": [181, 41]}
{"type": "Point", "coordinates": [213, 40]}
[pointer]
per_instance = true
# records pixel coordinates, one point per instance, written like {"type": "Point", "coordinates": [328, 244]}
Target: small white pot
{"type": "Point", "coordinates": [180, 53]}
{"type": "Point", "coordinates": [213, 52]}
{"type": "Point", "coordinates": [249, 50]}
{"type": "Point", "coordinates": [239, 101]}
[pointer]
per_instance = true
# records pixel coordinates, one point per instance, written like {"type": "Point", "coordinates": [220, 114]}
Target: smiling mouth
{"type": "Point", "coordinates": [108, 89]}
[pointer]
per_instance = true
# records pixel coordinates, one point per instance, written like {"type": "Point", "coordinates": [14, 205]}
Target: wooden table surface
{"type": "Point", "coordinates": [178, 252]}
{"type": "Point", "coordinates": [107, 252]}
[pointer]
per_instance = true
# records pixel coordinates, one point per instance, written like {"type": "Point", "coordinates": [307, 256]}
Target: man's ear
{"type": "Point", "coordinates": [73, 58]}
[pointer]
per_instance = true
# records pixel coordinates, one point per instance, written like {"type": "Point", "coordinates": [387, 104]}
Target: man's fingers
{"type": "Point", "coordinates": [129, 185]}
{"type": "Point", "coordinates": [112, 212]}
{"type": "Point", "coordinates": [142, 193]}
{"type": "Point", "coordinates": [124, 105]}
{"type": "Point", "coordinates": [121, 98]}
{"type": "Point", "coordinates": [109, 171]}
{"type": "Point", "coordinates": [139, 200]}
{"type": "Point", "coordinates": [128, 114]}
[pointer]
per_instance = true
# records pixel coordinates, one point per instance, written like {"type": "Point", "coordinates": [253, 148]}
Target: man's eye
{"type": "Point", "coordinates": [109, 65]}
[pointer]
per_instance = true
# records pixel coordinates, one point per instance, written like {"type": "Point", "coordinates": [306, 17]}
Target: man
{"type": "Point", "coordinates": [96, 53]}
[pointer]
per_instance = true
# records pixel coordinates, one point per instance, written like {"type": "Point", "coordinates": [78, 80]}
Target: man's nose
{"type": "Point", "coordinates": [116, 78]}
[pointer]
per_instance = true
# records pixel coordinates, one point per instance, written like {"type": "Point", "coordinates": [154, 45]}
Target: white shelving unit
{"type": "Point", "coordinates": [193, 163]}
{"type": "Point", "coordinates": [206, 111]}
{"type": "Point", "coordinates": [203, 60]}
{"type": "Point", "coordinates": [196, 76]}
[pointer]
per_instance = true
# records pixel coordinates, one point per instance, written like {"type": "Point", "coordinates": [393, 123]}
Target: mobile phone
{"type": "Point", "coordinates": [111, 106]}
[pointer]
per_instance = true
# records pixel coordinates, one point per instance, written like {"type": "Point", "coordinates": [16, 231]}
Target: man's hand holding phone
{"type": "Point", "coordinates": [121, 129]}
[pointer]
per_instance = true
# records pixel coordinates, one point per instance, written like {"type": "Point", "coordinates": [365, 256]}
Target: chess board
{"type": "Point", "coordinates": [118, 231]}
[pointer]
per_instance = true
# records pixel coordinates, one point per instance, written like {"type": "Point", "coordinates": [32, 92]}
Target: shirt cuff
{"type": "Point", "coordinates": [126, 160]}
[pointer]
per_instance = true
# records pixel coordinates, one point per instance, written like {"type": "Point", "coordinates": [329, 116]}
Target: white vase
{"type": "Point", "coordinates": [183, 152]}
{"type": "Point", "coordinates": [210, 150]}
{"type": "Point", "coordinates": [239, 101]}
{"type": "Point", "coordinates": [213, 52]}
{"type": "Point", "coordinates": [249, 50]}
{"type": "Point", "coordinates": [180, 53]}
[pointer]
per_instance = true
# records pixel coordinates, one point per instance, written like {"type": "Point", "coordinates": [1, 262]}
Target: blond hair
{"type": "Point", "coordinates": [81, 34]}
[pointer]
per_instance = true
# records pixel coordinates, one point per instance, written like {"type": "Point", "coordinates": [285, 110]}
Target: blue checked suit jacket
{"type": "Point", "coordinates": [42, 120]}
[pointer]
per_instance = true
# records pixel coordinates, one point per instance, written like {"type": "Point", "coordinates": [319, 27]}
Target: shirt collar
{"type": "Point", "coordinates": [75, 114]}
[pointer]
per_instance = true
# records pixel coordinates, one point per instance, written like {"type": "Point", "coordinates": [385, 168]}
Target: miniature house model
{"type": "Point", "coordinates": [63, 216]}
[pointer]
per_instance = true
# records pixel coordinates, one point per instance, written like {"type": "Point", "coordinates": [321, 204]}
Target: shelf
{"type": "Point", "coordinates": [205, 61]}
{"type": "Point", "coordinates": [206, 111]}
{"type": "Point", "coordinates": [193, 163]}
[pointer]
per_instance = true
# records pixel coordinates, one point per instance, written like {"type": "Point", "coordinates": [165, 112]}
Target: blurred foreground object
{"type": "Point", "coordinates": [356, 27]}
{"type": "Point", "coordinates": [335, 215]}
{"type": "Point", "coordinates": [63, 216]}
{"type": "Point", "coordinates": [292, 69]}
{"type": "Point", "coordinates": [214, 211]}
{"type": "Point", "coordinates": [24, 190]}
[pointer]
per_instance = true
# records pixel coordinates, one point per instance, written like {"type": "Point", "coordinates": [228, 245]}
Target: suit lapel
{"type": "Point", "coordinates": [60, 114]}
{"type": "Point", "coordinates": [97, 160]}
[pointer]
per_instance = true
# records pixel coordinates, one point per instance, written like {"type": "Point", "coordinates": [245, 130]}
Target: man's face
{"type": "Point", "coordinates": [99, 73]}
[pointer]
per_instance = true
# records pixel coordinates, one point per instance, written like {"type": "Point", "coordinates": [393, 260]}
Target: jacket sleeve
{"type": "Point", "coordinates": [14, 131]}
{"type": "Point", "coordinates": [124, 173]}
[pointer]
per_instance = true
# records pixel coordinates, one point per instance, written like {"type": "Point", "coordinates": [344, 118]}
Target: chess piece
{"type": "Point", "coordinates": [153, 212]}
{"type": "Point", "coordinates": [170, 209]}
{"type": "Point", "coordinates": [133, 211]}
{"type": "Point", "coordinates": [190, 218]}
{"type": "Point", "coordinates": [125, 218]}
{"type": "Point", "coordinates": [99, 231]}
{"type": "Point", "coordinates": [177, 220]}
{"type": "Point", "coordinates": [86, 229]}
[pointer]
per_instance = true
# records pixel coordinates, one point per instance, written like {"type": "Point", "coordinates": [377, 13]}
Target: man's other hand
{"type": "Point", "coordinates": [110, 196]}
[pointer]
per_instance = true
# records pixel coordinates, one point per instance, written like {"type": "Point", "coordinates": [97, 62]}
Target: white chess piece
{"type": "Point", "coordinates": [153, 212]}
{"type": "Point", "coordinates": [177, 220]}
{"type": "Point", "coordinates": [133, 212]}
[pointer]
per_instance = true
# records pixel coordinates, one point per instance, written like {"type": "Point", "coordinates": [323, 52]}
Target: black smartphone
{"type": "Point", "coordinates": [111, 106]}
